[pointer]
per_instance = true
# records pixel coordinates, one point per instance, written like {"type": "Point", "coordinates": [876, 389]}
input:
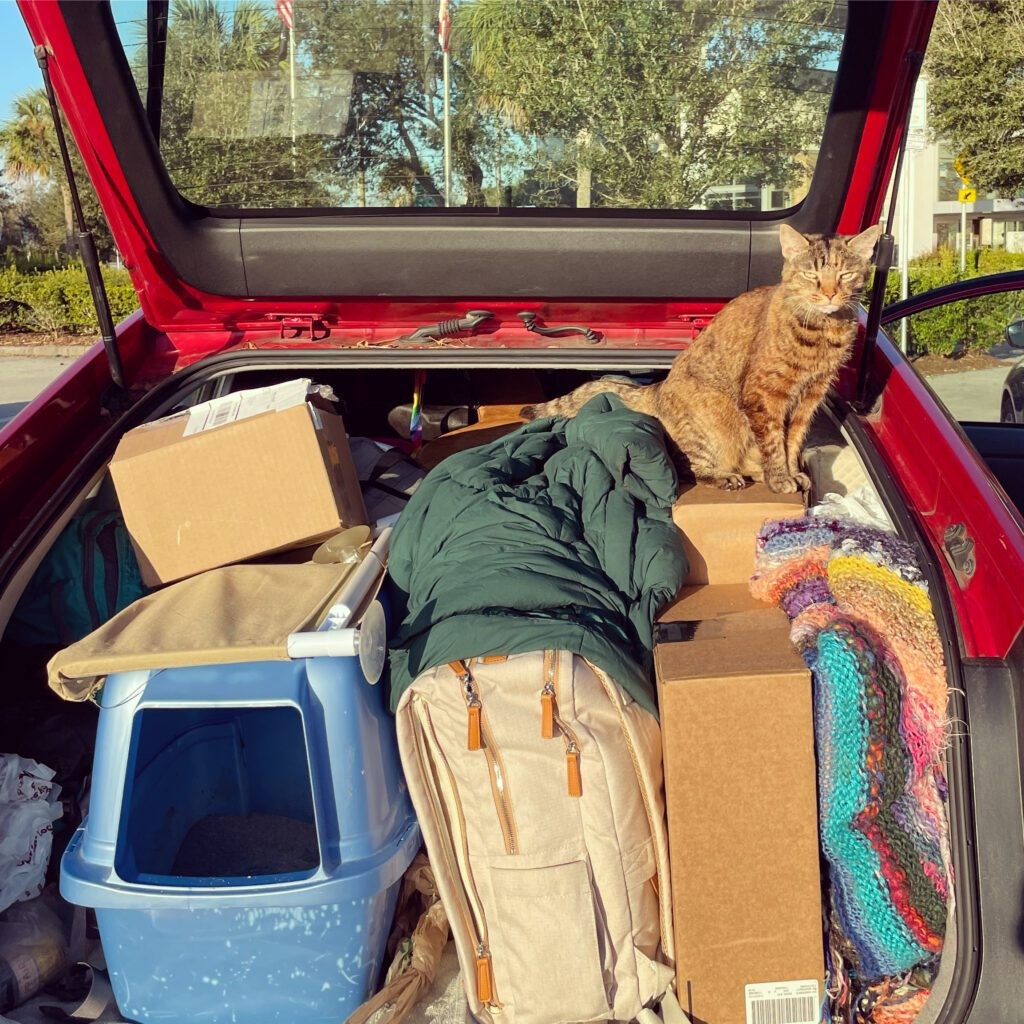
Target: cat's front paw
{"type": "Point", "coordinates": [803, 482]}
{"type": "Point", "coordinates": [732, 482]}
{"type": "Point", "coordinates": [784, 484]}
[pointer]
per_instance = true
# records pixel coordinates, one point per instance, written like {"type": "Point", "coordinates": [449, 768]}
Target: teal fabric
{"type": "Point", "coordinates": [89, 575]}
{"type": "Point", "coordinates": [557, 536]}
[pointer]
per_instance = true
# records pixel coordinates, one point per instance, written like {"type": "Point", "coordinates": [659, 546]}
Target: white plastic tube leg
{"type": "Point", "coordinates": [360, 583]}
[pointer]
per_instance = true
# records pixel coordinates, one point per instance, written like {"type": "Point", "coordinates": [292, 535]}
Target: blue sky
{"type": "Point", "coordinates": [18, 68]}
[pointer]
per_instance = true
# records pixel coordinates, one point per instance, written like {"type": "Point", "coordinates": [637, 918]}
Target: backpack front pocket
{"type": "Point", "coordinates": [550, 956]}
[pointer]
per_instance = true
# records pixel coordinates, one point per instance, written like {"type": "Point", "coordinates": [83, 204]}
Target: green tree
{"type": "Point", "coordinates": [8, 215]}
{"type": "Point", "coordinates": [975, 67]}
{"type": "Point", "coordinates": [393, 143]}
{"type": "Point", "coordinates": [29, 145]}
{"type": "Point", "coordinates": [649, 104]}
{"type": "Point", "coordinates": [213, 153]}
{"type": "Point", "coordinates": [32, 160]}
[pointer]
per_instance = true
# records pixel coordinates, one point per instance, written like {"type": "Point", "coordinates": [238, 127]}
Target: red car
{"type": "Point", "coordinates": [235, 296]}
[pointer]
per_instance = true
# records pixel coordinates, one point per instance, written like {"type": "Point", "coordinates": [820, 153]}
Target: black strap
{"type": "Point", "coordinates": [89, 534]}
{"type": "Point", "coordinates": [388, 489]}
{"type": "Point", "coordinates": [388, 460]}
{"type": "Point", "coordinates": [86, 245]}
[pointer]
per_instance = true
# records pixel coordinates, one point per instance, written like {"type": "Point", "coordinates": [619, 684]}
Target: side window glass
{"type": "Point", "coordinates": [971, 352]}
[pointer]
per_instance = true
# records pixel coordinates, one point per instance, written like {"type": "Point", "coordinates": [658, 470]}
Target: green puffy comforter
{"type": "Point", "coordinates": [557, 536]}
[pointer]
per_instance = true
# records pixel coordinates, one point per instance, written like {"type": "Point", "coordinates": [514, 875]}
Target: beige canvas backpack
{"type": "Point", "coordinates": [538, 786]}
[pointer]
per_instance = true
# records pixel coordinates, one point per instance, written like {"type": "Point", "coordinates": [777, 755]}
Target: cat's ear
{"type": "Point", "coordinates": [793, 243]}
{"type": "Point", "coordinates": [863, 245]}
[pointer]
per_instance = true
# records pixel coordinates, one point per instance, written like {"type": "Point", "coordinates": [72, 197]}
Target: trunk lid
{"type": "Point", "coordinates": [209, 199]}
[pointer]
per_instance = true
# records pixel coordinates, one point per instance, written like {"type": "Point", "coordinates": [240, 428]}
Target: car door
{"type": "Point", "coordinates": [974, 363]}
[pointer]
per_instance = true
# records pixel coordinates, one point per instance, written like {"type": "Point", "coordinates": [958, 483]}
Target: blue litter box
{"type": "Point", "coordinates": [247, 833]}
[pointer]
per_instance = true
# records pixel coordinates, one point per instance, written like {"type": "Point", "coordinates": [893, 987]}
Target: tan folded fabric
{"type": "Point", "coordinates": [237, 613]}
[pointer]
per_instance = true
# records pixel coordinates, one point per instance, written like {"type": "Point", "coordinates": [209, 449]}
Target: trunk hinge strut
{"type": "Point", "coordinates": [884, 251]}
{"type": "Point", "coordinates": [83, 237]}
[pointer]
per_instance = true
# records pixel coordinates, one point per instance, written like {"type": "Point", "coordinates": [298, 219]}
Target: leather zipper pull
{"type": "Point", "coordinates": [474, 732]}
{"type": "Point", "coordinates": [572, 762]}
{"type": "Point", "coordinates": [484, 978]}
{"type": "Point", "coordinates": [547, 712]}
{"type": "Point", "coordinates": [474, 738]}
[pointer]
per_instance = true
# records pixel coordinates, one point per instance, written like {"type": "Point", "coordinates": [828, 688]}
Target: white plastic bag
{"type": "Point", "coordinates": [28, 808]}
{"type": "Point", "coordinates": [861, 505]}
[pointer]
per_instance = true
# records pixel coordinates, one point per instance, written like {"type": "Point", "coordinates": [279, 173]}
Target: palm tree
{"type": "Point", "coordinates": [29, 145]}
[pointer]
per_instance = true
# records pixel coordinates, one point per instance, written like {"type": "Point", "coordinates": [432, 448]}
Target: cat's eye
{"type": "Point", "coordinates": [809, 274]}
{"type": "Point", "coordinates": [848, 275]}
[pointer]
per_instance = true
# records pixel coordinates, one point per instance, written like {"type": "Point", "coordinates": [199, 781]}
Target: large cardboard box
{"type": "Point", "coordinates": [720, 527]}
{"type": "Point", "coordinates": [740, 784]}
{"type": "Point", "coordinates": [252, 473]}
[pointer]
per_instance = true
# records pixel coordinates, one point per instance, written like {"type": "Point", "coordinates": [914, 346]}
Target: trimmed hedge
{"type": "Point", "coordinates": [979, 322]}
{"type": "Point", "coordinates": [59, 301]}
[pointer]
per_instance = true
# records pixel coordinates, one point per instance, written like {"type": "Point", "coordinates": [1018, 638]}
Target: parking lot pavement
{"type": "Point", "coordinates": [23, 377]}
{"type": "Point", "coordinates": [974, 395]}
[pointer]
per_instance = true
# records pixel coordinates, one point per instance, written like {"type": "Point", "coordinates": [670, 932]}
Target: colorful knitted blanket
{"type": "Point", "coordinates": [862, 619]}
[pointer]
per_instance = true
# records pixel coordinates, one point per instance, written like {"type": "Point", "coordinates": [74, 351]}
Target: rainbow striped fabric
{"type": "Point", "coordinates": [862, 619]}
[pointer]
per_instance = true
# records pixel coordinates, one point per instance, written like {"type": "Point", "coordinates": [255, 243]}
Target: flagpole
{"type": "Point", "coordinates": [444, 28]}
{"type": "Point", "coordinates": [447, 133]}
{"type": "Point", "coordinates": [291, 73]}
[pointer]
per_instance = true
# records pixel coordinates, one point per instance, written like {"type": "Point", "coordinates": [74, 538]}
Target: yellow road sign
{"type": "Point", "coordinates": [958, 166]}
{"type": "Point", "coordinates": [967, 195]}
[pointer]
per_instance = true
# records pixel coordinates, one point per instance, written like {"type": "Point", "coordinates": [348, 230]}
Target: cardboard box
{"type": "Point", "coordinates": [493, 421]}
{"type": "Point", "coordinates": [252, 473]}
{"type": "Point", "coordinates": [720, 528]}
{"type": "Point", "coordinates": [705, 612]}
{"type": "Point", "coordinates": [741, 795]}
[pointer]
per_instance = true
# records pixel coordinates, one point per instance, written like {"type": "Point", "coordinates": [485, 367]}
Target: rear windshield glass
{"type": "Point", "coordinates": [622, 104]}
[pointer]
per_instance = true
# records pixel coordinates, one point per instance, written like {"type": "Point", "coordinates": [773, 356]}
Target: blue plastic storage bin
{"type": "Point", "coordinates": [307, 741]}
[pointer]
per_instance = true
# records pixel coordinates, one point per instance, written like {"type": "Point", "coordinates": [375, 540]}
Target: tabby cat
{"type": "Point", "coordinates": [739, 400]}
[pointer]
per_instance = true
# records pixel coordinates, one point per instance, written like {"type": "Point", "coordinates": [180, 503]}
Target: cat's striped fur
{"type": "Point", "coordinates": [737, 403]}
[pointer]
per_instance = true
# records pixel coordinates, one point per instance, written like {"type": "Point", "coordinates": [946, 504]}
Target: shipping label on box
{"type": "Point", "coordinates": [784, 1002]}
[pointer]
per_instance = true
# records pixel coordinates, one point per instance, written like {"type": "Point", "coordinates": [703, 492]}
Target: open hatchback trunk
{"type": "Point", "coordinates": [501, 298]}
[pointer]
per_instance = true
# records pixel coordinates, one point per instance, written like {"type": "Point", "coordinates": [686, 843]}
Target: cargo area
{"type": "Point", "coordinates": [235, 798]}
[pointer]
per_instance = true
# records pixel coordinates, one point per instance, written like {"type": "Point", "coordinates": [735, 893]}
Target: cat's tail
{"type": "Point", "coordinates": [638, 397]}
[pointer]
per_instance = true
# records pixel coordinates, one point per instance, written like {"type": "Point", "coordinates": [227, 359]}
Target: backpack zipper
{"type": "Point", "coordinates": [574, 776]}
{"type": "Point", "coordinates": [474, 709]}
{"type": "Point", "coordinates": [474, 920]}
{"type": "Point", "coordinates": [484, 976]}
{"type": "Point", "coordinates": [480, 737]}
{"type": "Point", "coordinates": [548, 698]}
{"type": "Point", "coordinates": [550, 719]}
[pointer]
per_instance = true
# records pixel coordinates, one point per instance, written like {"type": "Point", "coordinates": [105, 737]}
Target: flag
{"type": "Point", "coordinates": [284, 9]}
{"type": "Point", "coordinates": [444, 25]}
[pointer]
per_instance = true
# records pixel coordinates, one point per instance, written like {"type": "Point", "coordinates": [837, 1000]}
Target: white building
{"type": "Point", "coordinates": [930, 185]}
